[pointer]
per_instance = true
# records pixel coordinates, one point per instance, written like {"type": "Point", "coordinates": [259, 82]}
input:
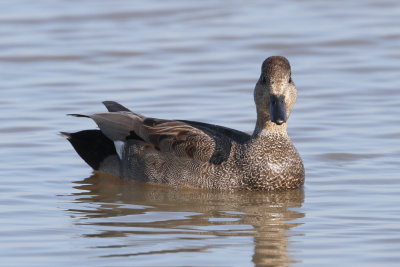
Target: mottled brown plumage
{"type": "Point", "coordinates": [195, 154]}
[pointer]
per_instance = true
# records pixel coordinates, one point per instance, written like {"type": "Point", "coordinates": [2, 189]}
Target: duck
{"type": "Point", "coordinates": [184, 153]}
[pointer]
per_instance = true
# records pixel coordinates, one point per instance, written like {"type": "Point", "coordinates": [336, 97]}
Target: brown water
{"type": "Point", "coordinates": [199, 60]}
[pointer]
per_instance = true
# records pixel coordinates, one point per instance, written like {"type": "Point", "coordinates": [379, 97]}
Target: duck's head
{"type": "Point", "coordinates": [275, 93]}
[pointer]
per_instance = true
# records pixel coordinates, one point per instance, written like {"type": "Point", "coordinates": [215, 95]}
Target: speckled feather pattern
{"type": "Point", "coordinates": [267, 163]}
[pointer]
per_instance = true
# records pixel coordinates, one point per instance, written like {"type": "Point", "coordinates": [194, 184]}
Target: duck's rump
{"type": "Point", "coordinates": [96, 150]}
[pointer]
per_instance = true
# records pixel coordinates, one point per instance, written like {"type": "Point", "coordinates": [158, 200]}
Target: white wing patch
{"type": "Point", "coordinates": [119, 147]}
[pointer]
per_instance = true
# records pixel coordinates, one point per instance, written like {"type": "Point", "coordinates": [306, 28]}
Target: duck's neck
{"type": "Point", "coordinates": [266, 127]}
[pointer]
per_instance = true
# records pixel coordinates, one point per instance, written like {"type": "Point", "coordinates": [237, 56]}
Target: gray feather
{"type": "Point", "coordinates": [116, 125]}
{"type": "Point", "coordinates": [113, 106]}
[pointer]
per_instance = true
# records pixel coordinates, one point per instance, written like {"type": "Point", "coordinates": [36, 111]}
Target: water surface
{"type": "Point", "coordinates": [199, 60]}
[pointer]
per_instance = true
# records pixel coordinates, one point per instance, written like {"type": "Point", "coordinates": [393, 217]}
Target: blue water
{"type": "Point", "coordinates": [199, 60]}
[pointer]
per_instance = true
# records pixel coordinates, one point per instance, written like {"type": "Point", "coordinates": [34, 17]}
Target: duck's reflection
{"type": "Point", "coordinates": [118, 208]}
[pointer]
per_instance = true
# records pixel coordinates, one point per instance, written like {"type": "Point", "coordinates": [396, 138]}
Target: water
{"type": "Point", "coordinates": [199, 60]}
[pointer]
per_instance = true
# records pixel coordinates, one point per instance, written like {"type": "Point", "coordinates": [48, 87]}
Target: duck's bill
{"type": "Point", "coordinates": [277, 110]}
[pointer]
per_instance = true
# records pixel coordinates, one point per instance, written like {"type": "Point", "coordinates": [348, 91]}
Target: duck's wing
{"type": "Point", "coordinates": [194, 140]}
{"type": "Point", "coordinates": [113, 106]}
{"type": "Point", "coordinates": [237, 136]}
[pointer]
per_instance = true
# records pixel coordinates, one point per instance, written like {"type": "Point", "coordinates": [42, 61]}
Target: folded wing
{"type": "Point", "coordinates": [194, 140]}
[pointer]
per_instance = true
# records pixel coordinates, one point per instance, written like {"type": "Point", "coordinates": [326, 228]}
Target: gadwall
{"type": "Point", "coordinates": [197, 154]}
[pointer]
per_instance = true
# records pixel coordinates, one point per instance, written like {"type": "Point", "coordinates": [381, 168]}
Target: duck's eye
{"type": "Point", "coordinates": [290, 79]}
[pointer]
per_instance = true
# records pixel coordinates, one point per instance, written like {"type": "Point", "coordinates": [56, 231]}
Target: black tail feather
{"type": "Point", "coordinates": [79, 115]}
{"type": "Point", "coordinates": [92, 145]}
